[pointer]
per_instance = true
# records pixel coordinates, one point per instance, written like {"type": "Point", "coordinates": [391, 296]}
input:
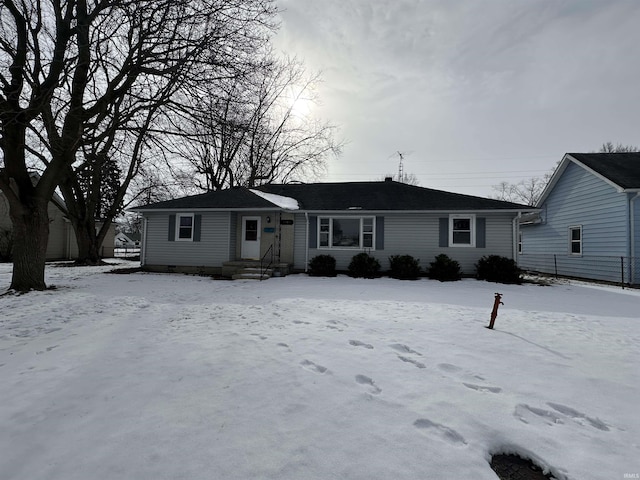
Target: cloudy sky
{"type": "Point", "coordinates": [472, 92]}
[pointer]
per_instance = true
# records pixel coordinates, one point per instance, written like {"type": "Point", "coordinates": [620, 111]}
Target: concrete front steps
{"type": "Point", "coordinates": [250, 270]}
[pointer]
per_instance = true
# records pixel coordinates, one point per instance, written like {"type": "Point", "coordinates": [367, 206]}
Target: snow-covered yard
{"type": "Point", "coordinates": [150, 376]}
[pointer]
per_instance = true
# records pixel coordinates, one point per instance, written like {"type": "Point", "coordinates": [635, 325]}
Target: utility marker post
{"type": "Point", "coordinates": [494, 313]}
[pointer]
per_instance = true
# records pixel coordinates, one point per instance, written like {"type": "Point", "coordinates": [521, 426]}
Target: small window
{"type": "Point", "coordinates": [461, 231]}
{"type": "Point", "coordinates": [575, 240]}
{"type": "Point", "coordinates": [184, 227]}
{"type": "Point", "coordinates": [520, 242]}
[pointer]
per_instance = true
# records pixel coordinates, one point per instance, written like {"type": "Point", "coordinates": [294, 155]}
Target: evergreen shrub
{"type": "Point", "coordinates": [404, 267]}
{"type": "Point", "coordinates": [322, 266]}
{"type": "Point", "coordinates": [494, 268]}
{"type": "Point", "coordinates": [444, 269]}
{"type": "Point", "coordinates": [364, 265]}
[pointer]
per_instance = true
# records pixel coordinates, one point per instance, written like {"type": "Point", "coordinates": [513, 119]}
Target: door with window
{"type": "Point", "coordinates": [250, 248]}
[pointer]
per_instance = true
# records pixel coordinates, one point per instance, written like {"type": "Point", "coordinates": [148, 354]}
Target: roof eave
{"type": "Point", "coordinates": [208, 209]}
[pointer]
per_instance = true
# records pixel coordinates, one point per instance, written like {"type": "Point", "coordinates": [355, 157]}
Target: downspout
{"type": "Point", "coordinates": [515, 228]}
{"type": "Point", "coordinates": [143, 254]}
{"type": "Point", "coordinates": [633, 254]}
{"type": "Point", "coordinates": [306, 243]}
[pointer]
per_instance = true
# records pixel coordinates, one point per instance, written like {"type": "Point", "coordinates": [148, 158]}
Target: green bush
{"type": "Point", "coordinates": [364, 265]}
{"type": "Point", "coordinates": [495, 268]}
{"type": "Point", "coordinates": [322, 266]}
{"type": "Point", "coordinates": [444, 269]}
{"type": "Point", "coordinates": [404, 267]}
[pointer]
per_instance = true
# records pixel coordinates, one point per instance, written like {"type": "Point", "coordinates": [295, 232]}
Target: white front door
{"type": "Point", "coordinates": [250, 248]}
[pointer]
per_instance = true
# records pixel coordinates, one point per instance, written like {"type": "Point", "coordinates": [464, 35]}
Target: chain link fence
{"type": "Point", "coordinates": [624, 271]}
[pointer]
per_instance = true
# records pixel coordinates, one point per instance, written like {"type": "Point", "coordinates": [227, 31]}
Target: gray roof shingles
{"type": "Point", "coordinates": [386, 195]}
{"type": "Point", "coordinates": [239, 198]}
{"type": "Point", "coordinates": [372, 196]}
{"type": "Point", "coordinates": [623, 169]}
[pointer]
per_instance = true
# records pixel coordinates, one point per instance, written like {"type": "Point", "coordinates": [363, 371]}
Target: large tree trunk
{"type": "Point", "coordinates": [88, 243]}
{"type": "Point", "coordinates": [28, 211]}
{"type": "Point", "coordinates": [30, 236]}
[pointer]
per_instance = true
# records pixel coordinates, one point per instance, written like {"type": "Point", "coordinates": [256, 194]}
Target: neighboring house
{"type": "Point", "coordinates": [62, 243]}
{"type": "Point", "coordinates": [296, 222]}
{"type": "Point", "coordinates": [589, 220]}
{"type": "Point", "coordinates": [127, 240]}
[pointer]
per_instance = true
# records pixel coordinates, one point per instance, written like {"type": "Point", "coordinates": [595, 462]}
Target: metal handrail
{"type": "Point", "coordinates": [262, 270]}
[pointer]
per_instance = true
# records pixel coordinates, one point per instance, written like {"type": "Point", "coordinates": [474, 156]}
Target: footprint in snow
{"type": "Point", "coordinates": [445, 433]}
{"type": "Point", "coordinates": [313, 367]}
{"type": "Point", "coordinates": [358, 343]}
{"type": "Point", "coordinates": [412, 361]}
{"type": "Point", "coordinates": [559, 415]}
{"type": "Point", "coordinates": [398, 347]}
{"type": "Point", "coordinates": [366, 381]}
{"type": "Point", "coordinates": [482, 388]}
{"type": "Point", "coordinates": [578, 416]}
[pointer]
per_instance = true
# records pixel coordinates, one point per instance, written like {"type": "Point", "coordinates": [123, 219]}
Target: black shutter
{"type": "Point", "coordinates": [379, 233]}
{"type": "Point", "coordinates": [197, 222]}
{"type": "Point", "coordinates": [172, 228]}
{"type": "Point", "coordinates": [444, 232]}
{"type": "Point", "coordinates": [481, 232]}
{"type": "Point", "coordinates": [313, 232]}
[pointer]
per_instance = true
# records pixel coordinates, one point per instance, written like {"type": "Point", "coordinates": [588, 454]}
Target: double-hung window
{"type": "Point", "coordinates": [346, 232]}
{"type": "Point", "coordinates": [575, 240]}
{"type": "Point", "coordinates": [184, 227]}
{"type": "Point", "coordinates": [462, 231]}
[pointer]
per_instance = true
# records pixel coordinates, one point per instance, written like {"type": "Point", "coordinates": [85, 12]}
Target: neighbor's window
{"type": "Point", "coordinates": [520, 242]}
{"type": "Point", "coordinates": [184, 227]}
{"type": "Point", "coordinates": [575, 240]}
{"type": "Point", "coordinates": [346, 232]}
{"type": "Point", "coordinates": [461, 230]}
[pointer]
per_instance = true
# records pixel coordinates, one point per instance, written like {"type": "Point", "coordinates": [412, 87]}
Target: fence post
{"type": "Point", "coordinates": [622, 272]}
{"type": "Point", "coordinates": [555, 265]}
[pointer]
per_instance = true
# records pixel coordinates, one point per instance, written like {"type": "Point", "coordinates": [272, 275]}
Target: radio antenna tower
{"type": "Point", "coordinates": [401, 155]}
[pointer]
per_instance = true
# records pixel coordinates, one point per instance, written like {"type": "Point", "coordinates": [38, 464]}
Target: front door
{"type": "Point", "coordinates": [250, 248]}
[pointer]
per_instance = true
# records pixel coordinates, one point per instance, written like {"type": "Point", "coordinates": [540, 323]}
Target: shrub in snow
{"type": "Point", "coordinates": [495, 268]}
{"type": "Point", "coordinates": [404, 267]}
{"type": "Point", "coordinates": [322, 266]}
{"type": "Point", "coordinates": [364, 265]}
{"type": "Point", "coordinates": [444, 269]}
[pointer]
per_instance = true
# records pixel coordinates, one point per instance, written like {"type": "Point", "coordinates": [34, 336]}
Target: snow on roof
{"type": "Point", "coordinates": [287, 203]}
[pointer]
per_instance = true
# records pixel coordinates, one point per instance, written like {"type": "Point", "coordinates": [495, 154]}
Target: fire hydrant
{"type": "Point", "coordinates": [494, 313]}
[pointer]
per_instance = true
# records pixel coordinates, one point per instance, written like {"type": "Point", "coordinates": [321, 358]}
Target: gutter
{"type": "Point", "coordinates": [516, 227]}
{"type": "Point", "coordinates": [632, 236]}
{"type": "Point", "coordinates": [306, 244]}
{"type": "Point", "coordinates": [143, 253]}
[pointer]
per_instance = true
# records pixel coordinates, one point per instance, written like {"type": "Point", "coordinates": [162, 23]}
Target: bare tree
{"type": "Point", "coordinates": [529, 191]}
{"type": "Point", "coordinates": [609, 147]}
{"type": "Point", "coordinates": [526, 192]}
{"type": "Point", "coordinates": [252, 130]}
{"type": "Point", "coordinates": [75, 66]}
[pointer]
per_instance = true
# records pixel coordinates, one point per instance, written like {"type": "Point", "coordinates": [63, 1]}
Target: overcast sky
{"type": "Point", "coordinates": [474, 92]}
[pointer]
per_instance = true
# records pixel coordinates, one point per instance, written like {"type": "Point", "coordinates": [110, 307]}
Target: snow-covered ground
{"type": "Point", "coordinates": [159, 376]}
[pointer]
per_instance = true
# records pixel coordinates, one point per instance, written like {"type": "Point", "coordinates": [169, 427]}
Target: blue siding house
{"type": "Point", "coordinates": [589, 220]}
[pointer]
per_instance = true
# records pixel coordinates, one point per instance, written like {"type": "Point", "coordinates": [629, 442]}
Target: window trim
{"type": "Point", "coordinates": [361, 232]}
{"type": "Point", "coordinates": [193, 226]}
{"type": "Point", "coordinates": [571, 241]}
{"type": "Point", "coordinates": [472, 230]}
